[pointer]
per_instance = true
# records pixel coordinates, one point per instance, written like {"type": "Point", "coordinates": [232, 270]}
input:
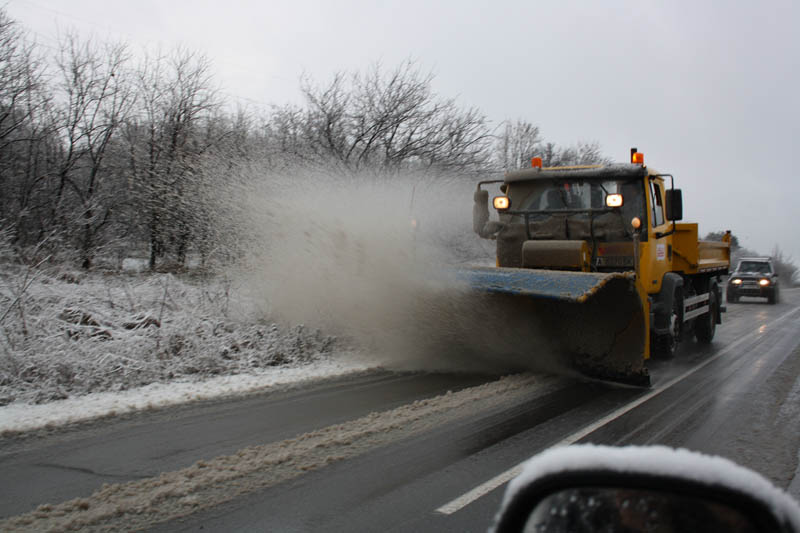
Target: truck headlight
{"type": "Point", "coordinates": [501, 203]}
{"type": "Point", "coordinates": [736, 281]}
{"type": "Point", "coordinates": [614, 200]}
{"type": "Point", "coordinates": [763, 282]}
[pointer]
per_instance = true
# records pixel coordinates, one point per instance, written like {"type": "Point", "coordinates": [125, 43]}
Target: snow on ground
{"type": "Point", "coordinates": [20, 417]}
{"type": "Point", "coordinates": [77, 345]}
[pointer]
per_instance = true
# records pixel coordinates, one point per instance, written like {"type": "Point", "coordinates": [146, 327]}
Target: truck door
{"type": "Point", "coordinates": [660, 249]}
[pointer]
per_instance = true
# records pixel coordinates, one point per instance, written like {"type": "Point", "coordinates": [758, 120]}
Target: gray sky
{"type": "Point", "coordinates": [707, 90]}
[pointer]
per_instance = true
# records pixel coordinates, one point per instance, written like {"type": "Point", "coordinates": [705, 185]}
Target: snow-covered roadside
{"type": "Point", "coordinates": [20, 417]}
{"type": "Point", "coordinates": [75, 346]}
{"type": "Point", "coordinates": [65, 334]}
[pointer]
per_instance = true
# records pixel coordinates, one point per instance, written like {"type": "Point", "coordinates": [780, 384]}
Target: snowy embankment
{"type": "Point", "coordinates": [75, 346]}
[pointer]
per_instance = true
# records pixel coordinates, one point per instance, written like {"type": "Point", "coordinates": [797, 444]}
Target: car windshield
{"type": "Point", "coordinates": [760, 267]}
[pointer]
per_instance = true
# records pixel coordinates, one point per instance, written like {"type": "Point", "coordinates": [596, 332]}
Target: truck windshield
{"type": "Point", "coordinates": [570, 195]}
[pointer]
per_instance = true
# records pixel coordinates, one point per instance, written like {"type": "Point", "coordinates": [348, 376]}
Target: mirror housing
{"type": "Point", "coordinates": [601, 485]}
{"type": "Point", "coordinates": [674, 204]}
{"type": "Point", "coordinates": [480, 210]}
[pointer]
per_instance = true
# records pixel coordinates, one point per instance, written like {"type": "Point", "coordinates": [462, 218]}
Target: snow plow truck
{"type": "Point", "coordinates": [596, 258]}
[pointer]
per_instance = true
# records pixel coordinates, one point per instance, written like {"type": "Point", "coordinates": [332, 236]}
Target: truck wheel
{"type": "Point", "coordinates": [665, 345]}
{"type": "Point", "coordinates": [706, 325]}
{"type": "Point", "coordinates": [732, 298]}
{"type": "Point", "coordinates": [772, 297]}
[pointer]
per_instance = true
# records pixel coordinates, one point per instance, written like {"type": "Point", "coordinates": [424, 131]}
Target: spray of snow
{"type": "Point", "coordinates": [371, 259]}
{"type": "Point", "coordinates": [367, 259]}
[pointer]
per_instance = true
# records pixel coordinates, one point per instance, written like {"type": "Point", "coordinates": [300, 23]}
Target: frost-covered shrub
{"type": "Point", "coordinates": [69, 333]}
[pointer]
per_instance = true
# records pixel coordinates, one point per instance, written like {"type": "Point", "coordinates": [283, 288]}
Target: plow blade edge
{"type": "Point", "coordinates": [592, 322]}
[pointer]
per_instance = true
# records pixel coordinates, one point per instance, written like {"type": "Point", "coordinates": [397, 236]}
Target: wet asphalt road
{"type": "Point", "coordinates": [68, 465]}
{"type": "Point", "coordinates": [742, 405]}
{"type": "Point", "coordinates": [741, 402]}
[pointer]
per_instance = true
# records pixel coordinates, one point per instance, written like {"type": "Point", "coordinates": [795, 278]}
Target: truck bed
{"type": "Point", "coordinates": [693, 256]}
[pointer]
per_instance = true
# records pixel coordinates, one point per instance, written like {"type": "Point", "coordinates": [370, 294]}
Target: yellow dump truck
{"type": "Point", "coordinates": [597, 258]}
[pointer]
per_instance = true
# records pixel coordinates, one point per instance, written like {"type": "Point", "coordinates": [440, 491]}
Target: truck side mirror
{"type": "Point", "coordinates": [480, 211]}
{"type": "Point", "coordinates": [674, 204]}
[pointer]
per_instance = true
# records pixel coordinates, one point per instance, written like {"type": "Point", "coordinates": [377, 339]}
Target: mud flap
{"type": "Point", "coordinates": [592, 322]}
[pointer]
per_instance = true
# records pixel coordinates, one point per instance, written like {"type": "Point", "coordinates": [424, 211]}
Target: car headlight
{"type": "Point", "coordinates": [736, 281]}
{"type": "Point", "coordinates": [763, 282]}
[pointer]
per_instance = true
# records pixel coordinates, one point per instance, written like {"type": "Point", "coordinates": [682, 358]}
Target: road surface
{"type": "Point", "coordinates": [405, 452]}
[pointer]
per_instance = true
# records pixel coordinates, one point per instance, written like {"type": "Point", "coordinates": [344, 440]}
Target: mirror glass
{"type": "Point", "coordinates": [613, 509]}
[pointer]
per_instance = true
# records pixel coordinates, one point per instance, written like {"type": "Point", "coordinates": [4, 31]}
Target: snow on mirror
{"type": "Point", "coordinates": [614, 509]}
{"type": "Point", "coordinates": [586, 487]}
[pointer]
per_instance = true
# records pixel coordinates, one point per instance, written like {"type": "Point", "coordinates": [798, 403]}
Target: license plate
{"type": "Point", "coordinates": [614, 260]}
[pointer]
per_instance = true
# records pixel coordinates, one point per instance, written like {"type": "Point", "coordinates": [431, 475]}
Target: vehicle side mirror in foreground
{"type": "Point", "coordinates": [674, 205]}
{"type": "Point", "coordinates": [590, 488]}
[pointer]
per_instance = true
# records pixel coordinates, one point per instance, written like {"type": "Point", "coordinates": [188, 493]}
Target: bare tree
{"type": "Point", "coordinates": [23, 132]}
{"type": "Point", "coordinates": [582, 153]}
{"type": "Point", "coordinates": [784, 265]}
{"type": "Point", "coordinates": [377, 119]}
{"type": "Point", "coordinates": [97, 99]}
{"type": "Point", "coordinates": [520, 141]}
{"type": "Point", "coordinates": [20, 74]}
{"type": "Point", "coordinates": [517, 144]}
{"type": "Point", "coordinates": [166, 143]}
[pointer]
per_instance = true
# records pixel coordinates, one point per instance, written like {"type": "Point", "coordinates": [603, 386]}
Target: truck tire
{"type": "Point", "coordinates": [732, 297]}
{"type": "Point", "coordinates": [666, 345]}
{"type": "Point", "coordinates": [706, 325]}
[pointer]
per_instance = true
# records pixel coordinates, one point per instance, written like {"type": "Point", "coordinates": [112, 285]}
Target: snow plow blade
{"type": "Point", "coordinates": [590, 322]}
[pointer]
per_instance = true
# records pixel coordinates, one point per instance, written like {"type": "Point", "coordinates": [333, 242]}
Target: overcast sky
{"type": "Point", "coordinates": [707, 90]}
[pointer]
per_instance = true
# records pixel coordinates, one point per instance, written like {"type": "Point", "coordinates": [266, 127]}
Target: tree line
{"type": "Point", "coordinates": [102, 149]}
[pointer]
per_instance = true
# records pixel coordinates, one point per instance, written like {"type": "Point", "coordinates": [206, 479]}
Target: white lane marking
{"type": "Point", "coordinates": [500, 479]}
